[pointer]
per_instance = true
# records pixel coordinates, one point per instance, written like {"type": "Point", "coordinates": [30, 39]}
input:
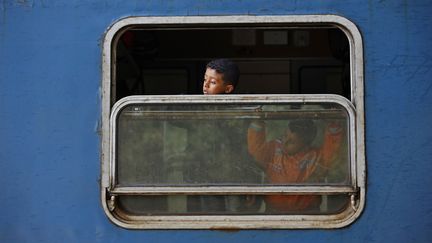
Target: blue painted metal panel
{"type": "Point", "coordinates": [50, 72]}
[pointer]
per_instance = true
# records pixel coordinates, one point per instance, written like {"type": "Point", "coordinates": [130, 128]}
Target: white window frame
{"type": "Point", "coordinates": [355, 108]}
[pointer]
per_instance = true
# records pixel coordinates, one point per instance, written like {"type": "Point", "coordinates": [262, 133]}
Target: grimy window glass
{"type": "Point", "coordinates": [252, 145]}
{"type": "Point", "coordinates": [160, 145]}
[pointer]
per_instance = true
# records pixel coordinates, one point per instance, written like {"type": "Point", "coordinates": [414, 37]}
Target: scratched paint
{"type": "Point", "coordinates": [50, 72]}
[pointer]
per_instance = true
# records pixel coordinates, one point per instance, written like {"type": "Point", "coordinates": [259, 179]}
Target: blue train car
{"type": "Point", "coordinates": [106, 136]}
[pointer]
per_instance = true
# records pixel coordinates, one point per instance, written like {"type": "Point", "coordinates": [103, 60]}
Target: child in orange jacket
{"type": "Point", "coordinates": [293, 160]}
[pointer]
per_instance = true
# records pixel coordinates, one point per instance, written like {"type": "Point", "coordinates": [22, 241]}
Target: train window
{"type": "Point", "coordinates": [285, 151]}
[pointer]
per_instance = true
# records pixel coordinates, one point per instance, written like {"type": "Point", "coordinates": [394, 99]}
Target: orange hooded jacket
{"type": "Point", "coordinates": [301, 168]}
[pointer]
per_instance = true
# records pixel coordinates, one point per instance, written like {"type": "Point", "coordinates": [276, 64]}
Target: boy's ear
{"type": "Point", "coordinates": [229, 88]}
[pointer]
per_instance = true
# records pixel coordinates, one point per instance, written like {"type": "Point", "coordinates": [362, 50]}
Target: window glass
{"type": "Point", "coordinates": [228, 205]}
{"type": "Point", "coordinates": [232, 145]}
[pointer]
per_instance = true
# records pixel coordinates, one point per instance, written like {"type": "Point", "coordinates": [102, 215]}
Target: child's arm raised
{"type": "Point", "coordinates": [261, 150]}
{"type": "Point", "coordinates": [332, 143]}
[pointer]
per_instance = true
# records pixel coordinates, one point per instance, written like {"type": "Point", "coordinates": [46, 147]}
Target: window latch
{"type": "Point", "coordinates": [111, 203]}
{"type": "Point", "coordinates": [354, 200]}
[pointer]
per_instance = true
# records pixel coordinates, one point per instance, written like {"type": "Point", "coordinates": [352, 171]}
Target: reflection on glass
{"type": "Point", "coordinates": [161, 145]}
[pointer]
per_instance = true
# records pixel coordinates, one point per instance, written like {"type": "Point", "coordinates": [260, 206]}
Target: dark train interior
{"type": "Point", "coordinates": [272, 60]}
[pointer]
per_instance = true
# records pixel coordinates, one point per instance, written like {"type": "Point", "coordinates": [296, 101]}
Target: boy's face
{"type": "Point", "coordinates": [292, 142]}
{"type": "Point", "coordinates": [214, 83]}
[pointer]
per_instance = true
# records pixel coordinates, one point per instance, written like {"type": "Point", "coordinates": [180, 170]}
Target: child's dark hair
{"type": "Point", "coordinates": [227, 68]}
{"type": "Point", "coordinates": [305, 129]}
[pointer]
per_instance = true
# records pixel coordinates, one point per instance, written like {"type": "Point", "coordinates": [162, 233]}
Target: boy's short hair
{"type": "Point", "coordinates": [305, 129]}
{"type": "Point", "coordinates": [226, 67]}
